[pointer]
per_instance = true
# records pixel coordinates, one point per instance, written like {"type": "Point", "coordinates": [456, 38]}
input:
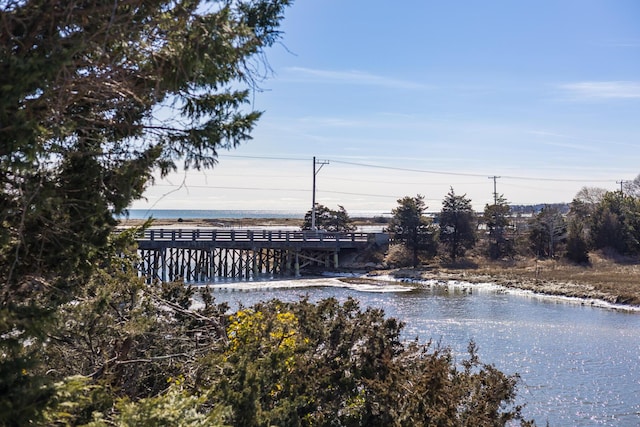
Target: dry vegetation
{"type": "Point", "coordinates": [610, 278]}
{"type": "Point", "coordinates": [607, 278]}
{"type": "Point", "coordinates": [216, 222]}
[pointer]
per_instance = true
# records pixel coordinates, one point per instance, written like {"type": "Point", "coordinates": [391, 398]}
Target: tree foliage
{"type": "Point", "coordinates": [497, 219]}
{"type": "Point", "coordinates": [615, 223]}
{"type": "Point", "coordinates": [578, 224]}
{"type": "Point", "coordinates": [577, 246]}
{"type": "Point", "coordinates": [547, 229]}
{"type": "Point", "coordinates": [411, 227]}
{"type": "Point", "coordinates": [457, 224]}
{"type": "Point", "coordinates": [332, 364]}
{"type": "Point", "coordinates": [304, 364]}
{"type": "Point", "coordinates": [337, 221]}
{"type": "Point", "coordinates": [94, 96]}
{"type": "Point", "coordinates": [125, 339]}
{"type": "Point", "coordinates": [632, 188]}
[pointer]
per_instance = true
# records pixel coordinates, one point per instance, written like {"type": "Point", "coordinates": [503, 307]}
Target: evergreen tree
{"type": "Point", "coordinates": [457, 224]}
{"type": "Point", "coordinates": [546, 230]}
{"type": "Point", "coordinates": [581, 210]}
{"type": "Point", "coordinates": [577, 248]}
{"type": "Point", "coordinates": [615, 223]}
{"type": "Point", "coordinates": [83, 340]}
{"type": "Point", "coordinates": [583, 207]}
{"type": "Point", "coordinates": [497, 217]}
{"type": "Point", "coordinates": [278, 363]}
{"type": "Point", "coordinates": [337, 221]}
{"type": "Point", "coordinates": [411, 227]}
{"type": "Point", "coordinates": [82, 85]}
{"type": "Point", "coordinates": [341, 221]}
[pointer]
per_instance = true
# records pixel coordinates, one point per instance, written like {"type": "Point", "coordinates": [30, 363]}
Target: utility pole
{"type": "Point", "coordinates": [313, 201]}
{"type": "Point", "coordinates": [495, 192]}
{"type": "Point", "coordinates": [622, 182]}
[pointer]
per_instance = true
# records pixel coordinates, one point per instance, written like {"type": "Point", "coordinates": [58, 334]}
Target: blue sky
{"type": "Point", "coordinates": [414, 97]}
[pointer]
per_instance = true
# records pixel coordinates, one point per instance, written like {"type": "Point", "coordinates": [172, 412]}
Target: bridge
{"type": "Point", "coordinates": [204, 255]}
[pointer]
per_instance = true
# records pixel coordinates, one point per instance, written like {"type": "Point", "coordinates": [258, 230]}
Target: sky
{"type": "Point", "coordinates": [412, 97]}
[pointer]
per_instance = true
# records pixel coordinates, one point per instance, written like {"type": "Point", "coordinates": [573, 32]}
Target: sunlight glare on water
{"type": "Point", "coordinates": [579, 364]}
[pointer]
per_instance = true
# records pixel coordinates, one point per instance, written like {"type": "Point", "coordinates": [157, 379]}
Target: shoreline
{"type": "Point", "coordinates": [479, 284]}
{"type": "Point", "coordinates": [585, 293]}
{"type": "Point", "coordinates": [607, 279]}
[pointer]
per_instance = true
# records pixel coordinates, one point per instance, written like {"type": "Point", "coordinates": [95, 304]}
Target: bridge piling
{"type": "Point", "coordinates": [205, 255]}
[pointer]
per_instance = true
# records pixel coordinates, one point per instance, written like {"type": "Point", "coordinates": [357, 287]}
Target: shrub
{"type": "Point", "coordinates": [399, 256]}
{"type": "Point", "coordinates": [329, 364]}
{"type": "Point", "coordinates": [276, 363]}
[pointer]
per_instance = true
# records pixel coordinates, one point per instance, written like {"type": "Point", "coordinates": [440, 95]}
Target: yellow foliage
{"type": "Point", "coordinates": [251, 328]}
{"type": "Point", "coordinates": [276, 336]}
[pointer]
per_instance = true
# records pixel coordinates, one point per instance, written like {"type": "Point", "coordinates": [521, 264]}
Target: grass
{"type": "Point", "coordinates": [609, 278]}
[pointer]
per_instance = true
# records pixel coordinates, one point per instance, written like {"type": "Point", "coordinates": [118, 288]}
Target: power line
{"type": "Point", "coordinates": [389, 182]}
{"type": "Point", "coordinates": [495, 192]}
{"type": "Point", "coordinates": [361, 194]}
{"type": "Point", "coordinates": [219, 187]}
{"type": "Point", "coordinates": [296, 159]}
{"type": "Point", "coordinates": [406, 169]}
{"type": "Point", "coordinates": [366, 165]}
{"type": "Point", "coordinates": [525, 178]}
{"type": "Point", "coordinates": [320, 163]}
{"type": "Point", "coordinates": [522, 187]}
{"type": "Point", "coordinates": [427, 171]}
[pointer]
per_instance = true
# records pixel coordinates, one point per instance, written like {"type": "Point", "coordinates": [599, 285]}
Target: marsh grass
{"type": "Point", "coordinates": [608, 277]}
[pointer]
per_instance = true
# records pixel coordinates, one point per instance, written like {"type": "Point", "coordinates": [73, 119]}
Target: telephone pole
{"type": "Point", "coordinates": [313, 201]}
{"type": "Point", "coordinates": [495, 192]}
{"type": "Point", "coordinates": [622, 182]}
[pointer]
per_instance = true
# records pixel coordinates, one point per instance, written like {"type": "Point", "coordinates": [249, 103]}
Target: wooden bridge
{"type": "Point", "coordinates": [205, 255]}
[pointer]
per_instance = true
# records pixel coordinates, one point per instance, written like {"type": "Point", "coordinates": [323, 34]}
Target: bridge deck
{"type": "Point", "coordinates": [201, 238]}
{"type": "Point", "coordinates": [204, 254]}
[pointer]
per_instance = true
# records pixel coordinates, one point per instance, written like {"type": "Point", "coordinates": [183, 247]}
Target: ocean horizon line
{"type": "Point", "coordinates": [232, 213]}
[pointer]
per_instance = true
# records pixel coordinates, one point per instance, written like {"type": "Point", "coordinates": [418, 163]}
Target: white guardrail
{"type": "Point", "coordinates": [225, 235]}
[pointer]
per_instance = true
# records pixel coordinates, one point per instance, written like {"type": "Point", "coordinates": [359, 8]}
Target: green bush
{"type": "Point", "coordinates": [277, 363]}
{"type": "Point", "coordinates": [329, 364]}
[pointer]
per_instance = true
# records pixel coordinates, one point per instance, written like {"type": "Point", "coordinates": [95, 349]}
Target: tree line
{"type": "Point", "coordinates": [94, 98]}
{"type": "Point", "coordinates": [596, 219]}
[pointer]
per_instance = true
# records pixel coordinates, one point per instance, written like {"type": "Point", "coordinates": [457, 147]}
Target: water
{"type": "Point", "coordinates": [212, 213]}
{"type": "Point", "coordinates": [228, 213]}
{"type": "Point", "coordinates": [579, 363]}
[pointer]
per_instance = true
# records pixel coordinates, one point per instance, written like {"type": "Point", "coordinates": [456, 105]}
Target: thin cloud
{"type": "Point", "coordinates": [355, 78]}
{"type": "Point", "coordinates": [551, 139]}
{"type": "Point", "coordinates": [628, 43]}
{"type": "Point", "coordinates": [607, 142]}
{"type": "Point", "coordinates": [604, 89]}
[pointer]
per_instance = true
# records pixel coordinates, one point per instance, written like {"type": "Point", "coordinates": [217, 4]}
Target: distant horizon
{"type": "Point", "coordinates": [232, 213]}
{"type": "Point", "coordinates": [419, 97]}
{"type": "Point", "coordinates": [355, 186]}
{"type": "Point", "coordinates": [276, 213]}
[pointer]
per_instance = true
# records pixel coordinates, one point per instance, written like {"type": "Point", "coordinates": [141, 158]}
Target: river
{"type": "Point", "coordinates": [579, 362]}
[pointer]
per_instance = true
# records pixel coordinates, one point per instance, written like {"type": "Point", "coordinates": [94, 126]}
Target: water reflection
{"type": "Point", "coordinates": [579, 364]}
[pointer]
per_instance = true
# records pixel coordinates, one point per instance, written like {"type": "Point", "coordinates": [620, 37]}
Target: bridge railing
{"type": "Point", "coordinates": [234, 235]}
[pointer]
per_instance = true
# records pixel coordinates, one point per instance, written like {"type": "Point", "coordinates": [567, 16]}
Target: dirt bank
{"type": "Point", "coordinates": [607, 278]}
